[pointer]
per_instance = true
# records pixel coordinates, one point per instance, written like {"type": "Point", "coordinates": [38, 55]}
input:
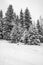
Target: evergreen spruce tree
{"type": "Point", "coordinates": [34, 36]}
{"type": "Point", "coordinates": [28, 21]}
{"type": "Point", "coordinates": [1, 24]}
{"type": "Point", "coordinates": [7, 26]}
{"type": "Point", "coordinates": [40, 31]}
{"type": "Point", "coordinates": [9, 13]}
{"type": "Point", "coordinates": [1, 14]}
{"type": "Point", "coordinates": [21, 17]}
{"type": "Point", "coordinates": [7, 31]}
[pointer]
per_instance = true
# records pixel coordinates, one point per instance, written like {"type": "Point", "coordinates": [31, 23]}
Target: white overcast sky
{"type": "Point", "coordinates": [35, 6]}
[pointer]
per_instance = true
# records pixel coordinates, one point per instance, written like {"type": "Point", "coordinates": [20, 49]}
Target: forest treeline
{"type": "Point", "coordinates": [20, 28]}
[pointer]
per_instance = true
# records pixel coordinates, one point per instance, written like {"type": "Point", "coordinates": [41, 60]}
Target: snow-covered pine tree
{"type": "Point", "coordinates": [31, 37]}
{"type": "Point", "coordinates": [34, 36]}
{"type": "Point", "coordinates": [21, 18]}
{"type": "Point", "coordinates": [7, 31]}
{"type": "Point", "coordinates": [13, 34]}
{"type": "Point", "coordinates": [9, 14]}
{"type": "Point", "coordinates": [1, 14]}
{"type": "Point", "coordinates": [7, 24]}
{"type": "Point", "coordinates": [16, 34]}
{"type": "Point", "coordinates": [40, 31]}
{"type": "Point", "coordinates": [1, 24]}
{"type": "Point", "coordinates": [28, 21]}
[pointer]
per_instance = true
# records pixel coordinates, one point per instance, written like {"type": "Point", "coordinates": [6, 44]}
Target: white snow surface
{"type": "Point", "coordinates": [13, 54]}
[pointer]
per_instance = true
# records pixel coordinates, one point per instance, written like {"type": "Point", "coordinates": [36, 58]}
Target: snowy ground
{"type": "Point", "coordinates": [12, 54]}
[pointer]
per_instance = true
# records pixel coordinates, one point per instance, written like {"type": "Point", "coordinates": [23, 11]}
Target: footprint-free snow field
{"type": "Point", "coordinates": [13, 54]}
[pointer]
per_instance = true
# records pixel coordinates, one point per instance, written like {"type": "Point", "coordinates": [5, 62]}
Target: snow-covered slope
{"type": "Point", "coordinates": [12, 54]}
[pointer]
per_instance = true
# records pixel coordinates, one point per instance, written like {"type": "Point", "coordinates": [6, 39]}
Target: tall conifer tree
{"type": "Point", "coordinates": [9, 13]}
{"type": "Point", "coordinates": [28, 21]}
{"type": "Point", "coordinates": [21, 17]}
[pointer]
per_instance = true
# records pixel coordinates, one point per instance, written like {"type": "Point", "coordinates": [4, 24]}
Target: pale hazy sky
{"type": "Point", "coordinates": [35, 6]}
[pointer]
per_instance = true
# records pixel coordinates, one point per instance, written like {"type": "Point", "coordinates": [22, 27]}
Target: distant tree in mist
{"type": "Point", "coordinates": [38, 27]}
{"type": "Point", "coordinates": [38, 24]}
{"type": "Point", "coordinates": [17, 20]}
{"type": "Point", "coordinates": [14, 17]}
